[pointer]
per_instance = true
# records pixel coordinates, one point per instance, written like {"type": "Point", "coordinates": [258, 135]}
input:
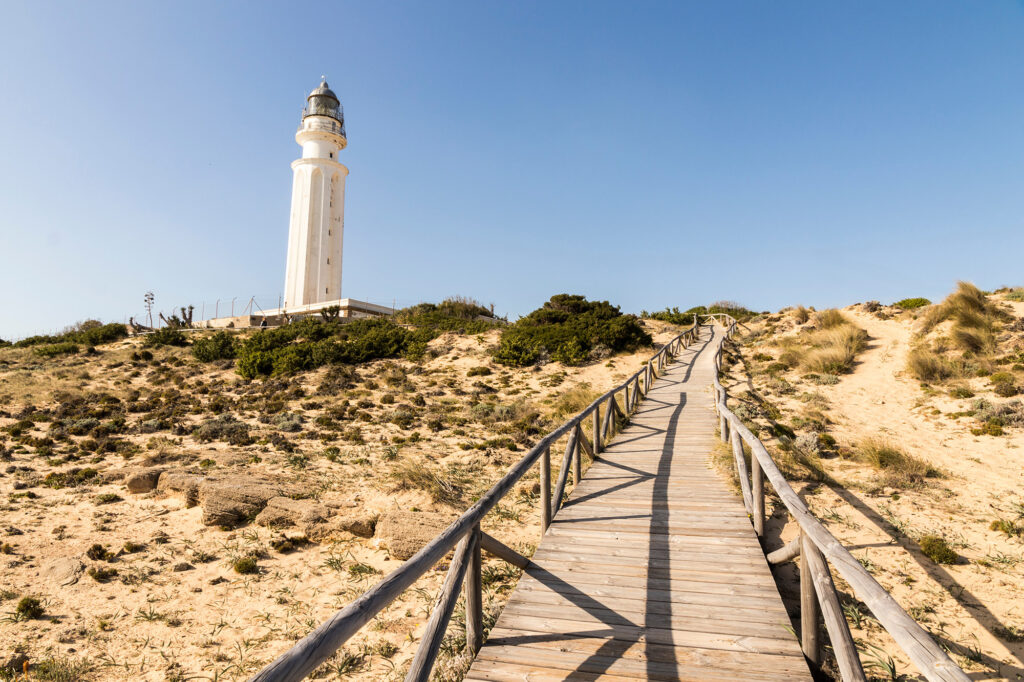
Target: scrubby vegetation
{"type": "Point", "coordinates": [830, 346]}
{"type": "Point", "coordinates": [912, 303]}
{"type": "Point", "coordinates": [88, 333]}
{"type": "Point", "coordinates": [456, 314]}
{"type": "Point", "coordinates": [936, 548]}
{"type": "Point", "coordinates": [685, 317]}
{"type": "Point", "coordinates": [899, 469]}
{"type": "Point", "coordinates": [220, 346]}
{"type": "Point", "coordinates": [571, 330]}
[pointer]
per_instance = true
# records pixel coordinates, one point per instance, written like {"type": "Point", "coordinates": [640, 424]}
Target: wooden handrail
{"type": "Point", "coordinates": [316, 647]}
{"type": "Point", "coordinates": [915, 641]}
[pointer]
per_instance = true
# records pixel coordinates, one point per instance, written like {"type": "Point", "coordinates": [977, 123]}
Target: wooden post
{"type": "Point", "coordinates": [577, 460]}
{"type": "Point", "coordinates": [426, 653]}
{"type": "Point", "coordinates": [474, 596]}
{"type": "Point", "coordinates": [757, 492]}
{"type": "Point", "coordinates": [597, 430]}
{"type": "Point", "coordinates": [625, 400]}
{"type": "Point", "coordinates": [723, 428]}
{"type": "Point", "coordinates": [843, 645]}
{"type": "Point", "coordinates": [545, 491]}
{"type": "Point", "coordinates": [809, 613]}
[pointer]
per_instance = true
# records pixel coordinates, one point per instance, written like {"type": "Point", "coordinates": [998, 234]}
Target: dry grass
{"type": "Point", "coordinates": [573, 400]}
{"type": "Point", "coordinates": [801, 314]}
{"type": "Point", "coordinates": [827, 319]}
{"type": "Point", "coordinates": [928, 366]}
{"type": "Point", "coordinates": [834, 349]}
{"type": "Point", "coordinates": [899, 468]}
{"type": "Point", "coordinates": [444, 487]}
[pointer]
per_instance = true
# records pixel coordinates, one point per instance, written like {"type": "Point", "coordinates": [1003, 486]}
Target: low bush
{"type": "Point", "coordinates": [834, 349]}
{"type": "Point", "coordinates": [571, 329]}
{"type": "Point", "coordinates": [1016, 294]}
{"type": "Point", "coordinates": [456, 314]}
{"type": "Point", "coordinates": [938, 550]}
{"type": "Point", "coordinates": [961, 392]}
{"type": "Point", "coordinates": [1004, 384]}
{"type": "Point", "coordinates": [88, 333]}
{"type": "Point", "coordinates": [246, 565]}
{"type": "Point", "coordinates": [912, 303]}
{"type": "Point", "coordinates": [801, 314]}
{"type": "Point", "coordinates": [67, 348]}
{"type": "Point", "coordinates": [224, 428]}
{"type": "Point", "coordinates": [220, 346]}
{"type": "Point", "coordinates": [165, 336]}
{"type": "Point", "coordinates": [29, 608]}
{"type": "Point", "coordinates": [685, 317]}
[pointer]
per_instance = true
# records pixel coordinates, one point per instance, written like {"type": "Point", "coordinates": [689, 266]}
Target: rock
{"type": "Point", "coordinates": [183, 483]}
{"type": "Point", "coordinates": [183, 566]}
{"type": "Point", "coordinates": [63, 571]}
{"type": "Point", "coordinates": [284, 511]}
{"type": "Point", "coordinates": [405, 533]}
{"type": "Point", "coordinates": [363, 526]}
{"type": "Point", "coordinates": [229, 500]}
{"type": "Point", "coordinates": [143, 480]}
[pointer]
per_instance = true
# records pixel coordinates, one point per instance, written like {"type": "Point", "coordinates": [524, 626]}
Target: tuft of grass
{"type": "Point", "coordinates": [1015, 294]}
{"type": "Point", "coordinates": [900, 468]}
{"type": "Point", "coordinates": [834, 349]}
{"type": "Point", "coordinates": [827, 319]}
{"type": "Point", "coordinates": [937, 549]}
{"type": "Point", "coordinates": [445, 487]}
{"type": "Point", "coordinates": [61, 670]}
{"type": "Point", "coordinates": [925, 365]}
{"type": "Point", "coordinates": [245, 565]}
{"type": "Point", "coordinates": [801, 314]}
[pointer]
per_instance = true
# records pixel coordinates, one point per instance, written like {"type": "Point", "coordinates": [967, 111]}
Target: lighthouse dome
{"type": "Point", "coordinates": [323, 102]}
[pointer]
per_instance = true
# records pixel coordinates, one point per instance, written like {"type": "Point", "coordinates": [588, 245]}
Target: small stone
{"type": "Point", "coordinates": [183, 566]}
{"type": "Point", "coordinates": [218, 580]}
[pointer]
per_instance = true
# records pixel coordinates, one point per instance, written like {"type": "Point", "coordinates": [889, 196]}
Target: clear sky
{"type": "Point", "coordinates": [652, 154]}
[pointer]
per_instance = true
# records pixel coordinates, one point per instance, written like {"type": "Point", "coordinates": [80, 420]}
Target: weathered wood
{"type": "Point", "coordinates": [545, 490]}
{"type": "Point", "coordinates": [832, 613]}
{"type": "Point", "coordinates": [585, 444]}
{"type": "Point", "coordinates": [577, 460]}
{"type": "Point", "coordinates": [563, 474]}
{"type": "Point", "coordinates": [652, 568]}
{"type": "Point", "coordinates": [757, 493]}
{"type": "Point", "coordinates": [787, 553]}
{"type": "Point", "coordinates": [426, 653]}
{"type": "Point", "coordinates": [597, 432]}
{"type": "Point", "coordinates": [741, 470]}
{"type": "Point", "coordinates": [809, 613]}
{"type": "Point", "coordinates": [474, 594]}
{"type": "Point", "coordinates": [499, 549]}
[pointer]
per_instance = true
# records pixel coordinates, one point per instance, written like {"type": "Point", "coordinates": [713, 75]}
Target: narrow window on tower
{"type": "Point", "coordinates": [328, 261]}
{"type": "Point", "coordinates": [332, 155]}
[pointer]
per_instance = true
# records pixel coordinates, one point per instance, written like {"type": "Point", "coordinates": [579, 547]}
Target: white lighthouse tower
{"type": "Point", "coordinates": [317, 224]}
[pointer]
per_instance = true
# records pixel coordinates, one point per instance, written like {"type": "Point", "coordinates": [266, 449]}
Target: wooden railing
{"type": "Point", "coordinates": [465, 536]}
{"type": "Point", "coordinates": [819, 599]}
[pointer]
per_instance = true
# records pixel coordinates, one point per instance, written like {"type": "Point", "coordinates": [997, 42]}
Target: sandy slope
{"type": "Point", "coordinates": [976, 607]}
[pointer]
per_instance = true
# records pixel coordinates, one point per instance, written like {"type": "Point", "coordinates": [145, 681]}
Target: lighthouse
{"type": "Point", "coordinates": [317, 222]}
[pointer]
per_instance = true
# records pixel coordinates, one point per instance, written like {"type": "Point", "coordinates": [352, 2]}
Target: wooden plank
{"type": "Point", "coordinates": [651, 569]}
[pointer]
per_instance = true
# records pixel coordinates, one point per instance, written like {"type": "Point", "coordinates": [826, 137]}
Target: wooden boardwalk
{"type": "Point", "coordinates": [652, 569]}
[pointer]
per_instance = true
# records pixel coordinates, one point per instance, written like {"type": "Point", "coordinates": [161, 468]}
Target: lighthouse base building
{"type": "Point", "coordinates": [316, 227]}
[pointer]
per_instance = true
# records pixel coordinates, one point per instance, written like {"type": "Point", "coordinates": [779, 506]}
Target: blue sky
{"type": "Point", "coordinates": [651, 154]}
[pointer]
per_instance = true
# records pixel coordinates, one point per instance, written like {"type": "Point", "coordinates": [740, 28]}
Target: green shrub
{"type": "Point", "coordinates": [938, 550]}
{"type": "Point", "coordinates": [685, 318]}
{"type": "Point", "coordinates": [961, 392]}
{"type": "Point", "coordinates": [224, 428]}
{"type": "Point", "coordinates": [245, 565]}
{"type": "Point", "coordinates": [1003, 384]}
{"type": "Point", "coordinates": [478, 372]}
{"type": "Point", "coordinates": [88, 333]}
{"type": "Point", "coordinates": [165, 336]}
{"type": "Point", "coordinates": [220, 346]}
{"type": "Point", "coordinates": [70, 478]}
{"type": "Point", "coordinates": [912, 303]}
{"type": "Point", "coordinates": [1016, 294]}
{"type": "Point", "coordinates": [66, 348]}
{"type": "Point", "coordinates": [29, 608]}
{"type": "Point", "coordinates": [456, 314]}
{"type": "Point", "coordinates": [570, 327]}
